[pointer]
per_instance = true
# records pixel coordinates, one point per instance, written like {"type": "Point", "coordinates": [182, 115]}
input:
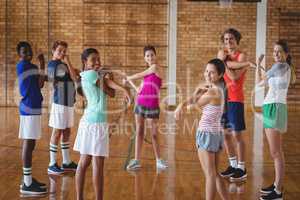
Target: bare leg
{"type": "Point", "coordinates": [154, 135]}
{"type": "Point", "coordinates": [207, 160]}
{"type": "Point", "coordinates": [275, 145]}
{"type": "Point", "coordinates": [83, 164]}
{"type": "Point", "coordinates": [140, 124]}
{"type": "Point", "coordinates": [241, 147]}
{"type": "Point", "coordinates": [221, 188]}
{"type": "Point", "coordinates": [98, 165]}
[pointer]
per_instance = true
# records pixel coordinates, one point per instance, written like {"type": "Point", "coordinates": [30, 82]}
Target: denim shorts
{"type": "Point", "coordinates": [208, 141]}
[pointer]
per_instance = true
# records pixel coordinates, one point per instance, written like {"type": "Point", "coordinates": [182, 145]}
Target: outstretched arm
{"type": "Point", "coordinates": [140, 75]}
{"type": "Point", "coordinates": [110, 83]}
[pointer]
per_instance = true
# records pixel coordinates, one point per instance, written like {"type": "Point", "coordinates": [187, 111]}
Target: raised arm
{"type": "Point", "coordinates": [151, 69]}
{"type": "Point", "coordinates": [73, 72]}
{"type": "Point", "coordinates": [197, 94]}
{"type": "Point", "coordinates": [110, 83]}
{"type": "Point", "coordinates": [260, 76]}
{"type": "Point", "coordinates": [42, 75]}
{"type": "Point", "coordinates": [240, 64]}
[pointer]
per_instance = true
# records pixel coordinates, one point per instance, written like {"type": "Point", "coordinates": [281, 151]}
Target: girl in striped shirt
{"type": "Point", "coordinates": [209, 137]}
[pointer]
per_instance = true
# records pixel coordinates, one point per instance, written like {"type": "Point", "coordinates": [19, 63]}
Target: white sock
{"type": "Point", "coordinates": [241, 165]}
{"type": "Point", "coordinates": [53, 153]}
{"type": "Point", "coordinates": [65, 146]}
{"type": "Point", "coordinates": [233, 162]}
{"type": "Point", "coordinates": [27, 176]}
{"type": "Point", "coordinates": [276, 189]}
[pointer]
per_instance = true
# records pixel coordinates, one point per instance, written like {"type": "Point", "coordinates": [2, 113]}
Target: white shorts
{"type": "Point", "coordinates": [61, 117]}
{"type": "Point", "coordinates": [92, 139]}
{"type": "Point", "coordinates": [30, 127]}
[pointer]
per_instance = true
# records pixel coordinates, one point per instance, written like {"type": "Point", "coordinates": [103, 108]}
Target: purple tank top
{"type": "Point", "coordinates": [149, 94]}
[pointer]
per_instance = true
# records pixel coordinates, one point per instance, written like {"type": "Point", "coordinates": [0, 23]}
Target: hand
{"type": "Point", "coordinates": [127, 99]}
{"type": "Point", "coordinates": [67, 58]}
{"type": "Point", "coordinates": [223, 54]}
{"type": "Point", "coordinates": [260, 59]}
{"type": "Point", "coordinates": [177, 113]}
{"type": "Point", "coordinates": [252, 64]}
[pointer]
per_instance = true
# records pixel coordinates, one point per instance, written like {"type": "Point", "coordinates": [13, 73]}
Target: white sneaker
{"type": "Point", "coordinates": [133, 165]}
{"type": "Point", "coordinates": [161, 164]}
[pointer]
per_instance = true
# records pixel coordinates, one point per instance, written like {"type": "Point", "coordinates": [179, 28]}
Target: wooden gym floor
{"type": "Point", "coordinates": [183, 180]}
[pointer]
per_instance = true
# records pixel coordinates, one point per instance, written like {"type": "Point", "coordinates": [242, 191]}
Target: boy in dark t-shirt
{"type": "Point", "coordinates": [30, 84]}
{"type": "Point", "coordinates": [62, 76]}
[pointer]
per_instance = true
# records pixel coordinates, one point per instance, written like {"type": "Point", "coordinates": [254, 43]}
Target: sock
{"type": "Point", "coordinates": [53, 152]}
{"type": "Point", "coordinates": [276, 189]}
{"type": "Point", "coordinates": [65, 146]}
{"type": "Point", "coordinates": [233, 162]}
{"type": "Point", "coordinates": [27, 176]}
{"type": "Point", "coordinates": [241, 165]}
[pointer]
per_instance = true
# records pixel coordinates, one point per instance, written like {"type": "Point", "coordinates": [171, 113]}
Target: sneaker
{"type": "Point", "coordinates": [268, 190]}
{"type": "Point", "coordinates": [272, 196]}
{"type": "Point", "coordinates": [33, 189]}
{"type": "Point", "coordinates": [55, 170]}
{"type": "Point", "coordinates": [161, 164]}
{"type": "Point", "coordinates": [69, 167]}
{"type": "Point", "coordinates": [228, 172]}
{"type": "Point", "coordinates": [239, 175]}
{"type": "Point", "coordinates": [133, 165]}
{"type": "Point", "coordinates": [41, 185]}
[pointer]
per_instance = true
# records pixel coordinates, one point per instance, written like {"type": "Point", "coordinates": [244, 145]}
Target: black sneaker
{"type": "Point", "coordinates": [41, 185]}
{"type": "Point", "coordinates": [69, 167]}
{"type": "Point", "coordinates": [239, 175]}
{"type": "Point", "coordinates": [228, 172]}
{"type": "Point", "coordinates": [33, 189]}
{"type": "Point", "coordinates": [268, 190]}
{"type": "Point", "coordinates": [272, 196]}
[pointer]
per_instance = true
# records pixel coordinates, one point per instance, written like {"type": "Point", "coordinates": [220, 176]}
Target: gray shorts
{"type": "Point", "coordinates": [208, 141]}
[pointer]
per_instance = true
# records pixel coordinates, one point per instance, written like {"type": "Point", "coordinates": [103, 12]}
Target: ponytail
{"type": "Point", "coordinates": [286, 49]}
{"type": "Point", "coordinates": [293, 69]}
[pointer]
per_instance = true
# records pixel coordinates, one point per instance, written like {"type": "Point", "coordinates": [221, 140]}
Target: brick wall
{"type": "Point", "coordinates": [200, 25]}
{"type": "Point", "coordinates": [120, 29]}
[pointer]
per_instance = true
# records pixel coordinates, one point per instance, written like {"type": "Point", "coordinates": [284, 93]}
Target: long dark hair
{"type": "Point", "coordinates": [284, 45]}
{"type": "Point", "coordinates": [220, 66]}
{"type": "Point", "coordinates": [85, 54]}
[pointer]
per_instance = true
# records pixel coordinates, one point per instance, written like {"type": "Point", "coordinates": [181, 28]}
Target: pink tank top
{"type": "Point", "coordinates": [211, 119]}
{"type": "Point", "coordinates": [149, 94]}
{"type": "Point", "coordinates": [235, 88]}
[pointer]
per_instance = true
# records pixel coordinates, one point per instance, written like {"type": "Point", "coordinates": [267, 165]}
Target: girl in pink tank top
{"type": "Point", "coordinates": [147, 107]}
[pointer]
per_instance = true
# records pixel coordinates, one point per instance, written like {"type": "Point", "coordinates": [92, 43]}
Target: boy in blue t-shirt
{"type": "Point", "coordinates": [30, 84]}
{"type": "Point", "coordinates": [62, 76]}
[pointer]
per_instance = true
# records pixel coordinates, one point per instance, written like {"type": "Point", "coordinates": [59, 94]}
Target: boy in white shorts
{"type": "Point", "coordinates": [63, 76]}
{"type": "Point", "coordinates": [30, 84]}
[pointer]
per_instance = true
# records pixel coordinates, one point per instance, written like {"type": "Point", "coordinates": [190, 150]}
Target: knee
{"type": "Point", "coordinates": [154, 135]}
{"type": "Point", "coordinates": [56, 134]}
{"type": "Point", "coordinates": [210, 174]}
{"type": "Point", "coordinates": [227, 137]}
{"type": "Point", "coordinates": [84, 164]}
{"type": "Point", "coordinates": [140, 131]}
{"type": "Point", "coordinates": [239, 139]}
{"type": "Point", "coordinates": [276, 153]}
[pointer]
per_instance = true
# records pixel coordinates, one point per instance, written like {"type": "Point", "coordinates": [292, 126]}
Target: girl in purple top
{"type": "Point", "coordinates": [147, 107]}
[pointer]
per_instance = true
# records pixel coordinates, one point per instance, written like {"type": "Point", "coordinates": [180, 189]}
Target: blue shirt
{"type": "Point", "coordinates": [28, 77]}
{"type": "Point", "coordinates": [95, 112]}
{"type": "Point", "coordinates": [64, 88]}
